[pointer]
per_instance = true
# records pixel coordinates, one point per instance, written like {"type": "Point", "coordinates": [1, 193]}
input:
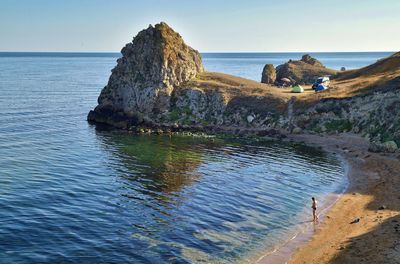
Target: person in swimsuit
{"type": "Point", "coordinates": [314, 209]}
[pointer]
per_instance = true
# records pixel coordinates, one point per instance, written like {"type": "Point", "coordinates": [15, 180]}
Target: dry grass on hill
{"type": "Point", "coordinates": [387, 65]}
{"type": "Point", "coordinates": [383, 75]}
{"type": "Point", "coordinates": [242, 92]}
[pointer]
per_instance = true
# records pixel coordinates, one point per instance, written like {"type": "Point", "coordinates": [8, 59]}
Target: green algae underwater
{"type": "Point", "coordinates": [71, 193]}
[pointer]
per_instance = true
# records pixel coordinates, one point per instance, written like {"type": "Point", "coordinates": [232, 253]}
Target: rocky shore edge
{"type": "Point", "coordinates": [160, 86]}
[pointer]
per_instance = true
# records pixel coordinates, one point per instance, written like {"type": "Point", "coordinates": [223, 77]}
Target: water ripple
{"type": "Point", "coordinates": [72, 194]}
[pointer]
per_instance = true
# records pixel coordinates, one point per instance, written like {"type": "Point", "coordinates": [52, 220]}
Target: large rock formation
{"type": "Point", "coordinates": [159, 84]}
{"type": "Point", "coordinates": [268, 74]}
{"type": "Point", "coordinates": [303, 71]}
{"type": "Point", "coordinates": [306, 58]}
{"type": "Point", "coordinates": [140, 86]}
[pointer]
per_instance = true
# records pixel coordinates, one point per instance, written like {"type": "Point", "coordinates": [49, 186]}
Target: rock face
{"type": "Point", "coordinates": [388, 146]}
{"type": "Point", "coordinates": [140, 86]}
{"type": "Point", "coordinates": [306, 58]}
{"type": "Point", "coordinates": [303, 71]}
{"type": "Point", "coordinates": [159, 84]}
{"type": "Point", "coordinates": [268, 74]}
{"type": "Point", "coordinates": [376, 116]}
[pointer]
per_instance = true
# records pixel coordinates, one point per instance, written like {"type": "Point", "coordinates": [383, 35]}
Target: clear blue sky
{"type": "Point", "coordinates": [207, 25]}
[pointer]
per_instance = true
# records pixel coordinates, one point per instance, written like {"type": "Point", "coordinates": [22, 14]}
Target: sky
{"type": "Point", "coordinates": [206, 25]}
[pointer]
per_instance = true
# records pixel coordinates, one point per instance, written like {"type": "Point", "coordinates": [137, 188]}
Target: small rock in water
{"type": "Point", "coordinates": [382, 207]}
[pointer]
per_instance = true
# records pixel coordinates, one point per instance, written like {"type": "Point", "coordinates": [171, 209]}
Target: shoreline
{"type": "Point", "coordinates": [334, 239]}
{"type": "Point", "coordinates": [374, 238]}
{"type": "Point", "coordinates": [284, 252]}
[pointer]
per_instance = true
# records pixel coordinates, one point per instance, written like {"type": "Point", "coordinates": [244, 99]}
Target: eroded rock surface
{"type": "Point", "coordinates": [268, 74]}
{"type": "Point", "coordinates": [159, 85]}
{"type": "Point", "coordinates": [303, 71]}
{"type": "Point", "coordinates": [151, 67]}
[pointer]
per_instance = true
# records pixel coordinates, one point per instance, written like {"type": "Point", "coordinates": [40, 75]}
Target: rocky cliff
{"type": "Point", "coordinates": [268, 74]}
{"type": "Point", "coordinates": [159, 85]}
{"type": "Point", "coordinates": [376, 116]}
{"type": "Point", "coordinates": [140, 86]}
{"type": "Point", "coordinates": [366, 101]}
{"type": "Point", "coordinates": [303, 71]}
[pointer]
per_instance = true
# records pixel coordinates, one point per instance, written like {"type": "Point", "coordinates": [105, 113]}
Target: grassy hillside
{"type": "Point", "coordinates": [383, 75]}
{"type": "Point", "coordinates": [384, 66]}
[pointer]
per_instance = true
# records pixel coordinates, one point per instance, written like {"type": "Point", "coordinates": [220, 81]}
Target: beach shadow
{"type": "Point", "coordinates": [384, 180]}
{"type": "Point", "coordinates": [381, 245]}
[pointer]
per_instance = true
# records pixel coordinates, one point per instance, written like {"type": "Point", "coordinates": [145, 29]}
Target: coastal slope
{"type": "Point", "coordinates": [160, 85]}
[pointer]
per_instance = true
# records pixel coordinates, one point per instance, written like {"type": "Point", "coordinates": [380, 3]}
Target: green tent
{"type": "Point", "coordinates": [297, 89]}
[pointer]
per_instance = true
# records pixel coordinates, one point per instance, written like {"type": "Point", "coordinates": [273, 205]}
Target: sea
{"type": "Point", "coordinates": [70, 193]}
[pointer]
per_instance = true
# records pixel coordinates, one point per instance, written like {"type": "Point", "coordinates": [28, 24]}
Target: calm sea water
{"type": "Point", "coordinates": [250, 65]}
{"type": "Point", "coordinates": [247, 65]}
{"type": "Point", "coordinates": [72, 194]}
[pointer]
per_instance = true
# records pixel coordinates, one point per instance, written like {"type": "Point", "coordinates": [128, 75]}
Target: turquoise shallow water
{"type": "Point", "coordinates": [72, 194]}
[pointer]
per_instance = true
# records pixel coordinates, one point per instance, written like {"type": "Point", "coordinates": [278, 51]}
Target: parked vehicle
{"type": "Point", "coordinates": [321, 88]}
{"type": "Point", "coordinates": [324, 81]}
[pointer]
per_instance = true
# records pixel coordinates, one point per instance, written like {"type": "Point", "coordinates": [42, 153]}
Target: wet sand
{"type": "Point", "coordinates": [372, 201]}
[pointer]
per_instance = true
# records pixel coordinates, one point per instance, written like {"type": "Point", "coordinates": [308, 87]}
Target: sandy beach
{"type": "Point", "coordinates": [363, 226]}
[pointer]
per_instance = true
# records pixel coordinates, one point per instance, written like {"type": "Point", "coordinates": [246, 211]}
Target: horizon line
{"type": "Point", "coordinates": [370, 51]}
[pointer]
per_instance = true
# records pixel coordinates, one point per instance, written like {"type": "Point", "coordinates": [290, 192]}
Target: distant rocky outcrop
{"type": "Point", "coordinates": [306, 58]}
{"type": "Point", "coordinates": [140, 86]}
{"type": "Point", "coordinates": [268, 74]}
{"type": "Point", "coordinates": [303, 71]}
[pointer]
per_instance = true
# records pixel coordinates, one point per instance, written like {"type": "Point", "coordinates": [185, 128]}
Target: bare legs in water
{"type": "Point", "coordinates": [314, 209]}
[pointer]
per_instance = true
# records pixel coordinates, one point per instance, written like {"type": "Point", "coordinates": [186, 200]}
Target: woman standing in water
{"type": "Point", "coordinates": [314, 209]}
